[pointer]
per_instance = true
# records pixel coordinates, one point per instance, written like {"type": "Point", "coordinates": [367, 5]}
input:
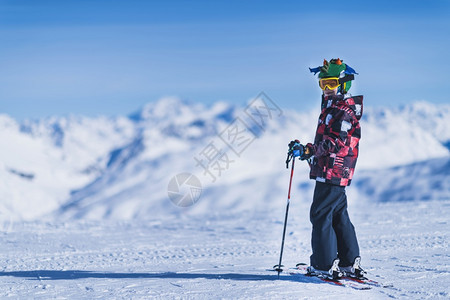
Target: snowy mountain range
{"type": "Point", "coordinates": [120, 168]}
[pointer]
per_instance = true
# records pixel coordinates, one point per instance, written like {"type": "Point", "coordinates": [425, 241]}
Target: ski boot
{"type": "Point", "coordinates": [354, 271]}
{"type": "Point", "coordinates": [333, 273]}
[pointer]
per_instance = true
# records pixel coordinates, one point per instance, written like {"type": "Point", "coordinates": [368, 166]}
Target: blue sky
{"type": "Point", "coordinates": [111, 57]}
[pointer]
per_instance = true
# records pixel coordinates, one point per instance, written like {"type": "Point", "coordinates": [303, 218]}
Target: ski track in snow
{"type": "Point", "coordinates": [220, 256]}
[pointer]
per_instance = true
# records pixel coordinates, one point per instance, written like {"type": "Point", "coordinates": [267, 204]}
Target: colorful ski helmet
{"type": "Point", "coordinates": [336, 68]}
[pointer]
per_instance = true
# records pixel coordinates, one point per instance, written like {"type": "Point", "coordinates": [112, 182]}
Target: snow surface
{"type": "Point", "coordinates": [223, 256]}
{"type": "Point", "coordinates": [85, 213]}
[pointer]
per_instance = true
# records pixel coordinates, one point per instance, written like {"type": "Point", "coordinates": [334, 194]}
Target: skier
{"type": "Point", "coordinates": [332, 157]}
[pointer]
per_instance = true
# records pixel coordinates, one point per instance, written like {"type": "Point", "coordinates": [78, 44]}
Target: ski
{"type": "Point", "coordinates": [302, 267]}
{"type": "Point", "coordinates": [368, 281]}
{"type": "Point", "coordinates": [300, 270]}
{"type": "Point", "coordinates": [364, 280]}
{"type": "Point", "coordinates": [338, 282]}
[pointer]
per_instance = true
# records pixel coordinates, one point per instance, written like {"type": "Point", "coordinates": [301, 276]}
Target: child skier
{"type": "Point", "coordinates": [332, 156]}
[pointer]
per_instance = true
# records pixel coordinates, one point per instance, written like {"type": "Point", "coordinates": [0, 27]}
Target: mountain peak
{"type": "Point", "coordinates": [164, 108]}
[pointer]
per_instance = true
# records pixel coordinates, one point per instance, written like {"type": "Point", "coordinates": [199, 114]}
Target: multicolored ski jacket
{"type": "Point", "coordinates": [336, 143]}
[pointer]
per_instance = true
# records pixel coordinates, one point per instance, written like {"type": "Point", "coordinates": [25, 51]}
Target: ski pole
{"type": "Point", "coordinates": [278, 267]}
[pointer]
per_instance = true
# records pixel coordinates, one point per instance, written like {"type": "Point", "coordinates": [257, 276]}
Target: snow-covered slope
{"type": "Point", "coordinates": [42, 161]}
{"type": "Point", "coordinates": [120, 168]}
{"type": "Point", "coordinates": [223, 255]}
{"type": "Point", "coordinates": [425, 180]}
{"type": "Point", "coordinates": [406, 135]}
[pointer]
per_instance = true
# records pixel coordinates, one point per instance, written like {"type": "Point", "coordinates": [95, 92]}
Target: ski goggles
{"type": "Point", "coordinates": [330, 82]}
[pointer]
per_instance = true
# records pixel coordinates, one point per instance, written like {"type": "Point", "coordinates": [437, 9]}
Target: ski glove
{"type": "Point", "coordinates": [308, 151]}
{"type": "Point", "coordinates": [295, 148]}
{"type": "Point", "coordinates": [301, 151]}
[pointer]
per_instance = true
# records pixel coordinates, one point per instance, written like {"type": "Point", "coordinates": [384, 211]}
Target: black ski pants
{"type": "Point", "coordinates": [333, 235]}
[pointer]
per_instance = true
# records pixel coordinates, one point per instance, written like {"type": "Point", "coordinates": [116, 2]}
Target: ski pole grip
{"type": "Point", "coordinates": [288, 159]}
